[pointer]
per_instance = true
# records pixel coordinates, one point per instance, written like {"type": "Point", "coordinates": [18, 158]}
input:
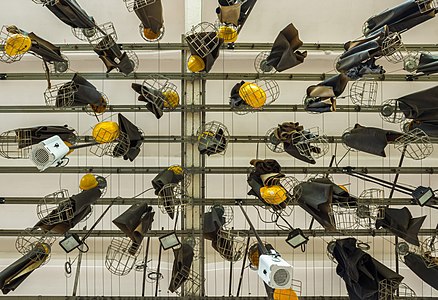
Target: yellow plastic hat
{"type": "Point", "coordinates": [228, 34]}
{"type": "Point", "coordinates": [88, 182]}
{"type": "Point", "coordinates": [252, 94]}
{"type": "Point", "coordinates": [106, 132]}
{"type": "Point", "coordinates": [273, 194]}
{"type": "Point", "coordinates": [196, 64]}
{"type": "Point", "coordinates": [17, 44]}
{"type": "Point", "coordinates": [287, 294]}
{"type": "Point", "coordinates": [172, 99]}
{"type": "Point", "coordinates": [150, 35]}
{"type": "Point", "coordinates": [178, 170]}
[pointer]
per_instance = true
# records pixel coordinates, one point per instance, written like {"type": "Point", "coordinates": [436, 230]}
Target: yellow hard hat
{"type": "Point", "coordinates": [68, 144]}
{"type": "Point", "coordinates": [106, 132]}
{"type": "Point", "coordinates": [254, 256]}
{"type": "Point", "coordinates": [273, 194]}
{"type": "Point", "coordinates": [17, 44]}
{"type": "Point", "coordinates": [172, 99]}
{"type": "Point", "coordinates": [88, 182]}
{"type": "Point", "coordinates": [150, 35]}
{"type": "Point", "coordinates": [252, 94]}
{"type": "Point", "coordinates": [196, 64]}
{"type": "Point", "coordinates": [228, 34]}
{"type": "Point", "coordinates": [286, 294]}
{"type": "Point", "coordinates": [177, 170]}
{"type": "Point", "coordinates": [343, 187]}
{"type": "Point", "coordinates": [205, 134]}
{"type": "Point", "coordinates": [99, 109]}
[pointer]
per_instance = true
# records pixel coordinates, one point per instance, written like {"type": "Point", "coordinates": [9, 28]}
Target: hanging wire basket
{"type": "Point", "coordinates": [156, 39]}
{"type": "Point", "coordinates": [55, 208]}
{"type": "Point", "coordinates": [344, 217]}
{"type": "Point", "coordinates": [414, 144]}
{"type": "Point", "coordinates": [118, 146]}
{"type": "Point", "coordinates": [171, 198]}
{"type": "Point", "coordinates": [344, 135]}
{"type": "Point", "coordinates": [231, 245]}
{"type": "Point", "coordinates": [228, 32]}
{"type": "Point", "coordinates": [133, 59]}
{"type": "Point", "coordinates": [429, 252]}
{"type": "Point", "coordinates": [273, 142]}
{"type": "Point", "coordinates": [311, 143]}
{"type": "Point", "coordinates": [194, 243]}
{"type": "Point", "coordinates": [13, 46]}
{"type": "Point", "coordinates": [163, 93]}
{"type": "Point", "coordinates": [259, 93]}
{"type": "Point", "coordinates": [227, 213]}
{"type": "Point", "coordinates": [411, 61]}
{"type": "Point", "coordinates": [99, 109]}
{"type": "Point", "coordinates": [426, 5]}
{"type": "Point", "coordinates": [133, 5]}
{"type": "Point", "coordinates": [203, 38]}
{"type": "Point", "coordinates": [193, 283]}
{"type": "Point", "coordinates": [290, 191]}
{"type": "Point", "coordinates": [187, 178]}
{"type": "Point", "coordinates": [104, 36]}
{"type": "Point", "coordinates": [289, 294]}
{"type": "Point", "coordinates": [58, 67]}
{"type": "Point", "coordinates": [32, 238]}
{"type": "Point", "coordinates": [61, 95]}
{"type": "Point", "coordinates": [261, 64]}
{"type": "Point", "coordinates": [213, 138]}
{"type": "Point", "coordinates": [46, 2]}
{"type": "Point", "coordinates": [393, 290]}
{"type": "Point", "coordinates": [364, 92]}
{"type": "Point", "coordinates": [370, 208]}
{"type": "Point", "coordinates": [393, 48]}
{"type": "Point", "coordinates": [121, 256]}
{"type": "Point", "coordinates": [16, 144]}
{"type": "Point", "coordinates": [390, 112]}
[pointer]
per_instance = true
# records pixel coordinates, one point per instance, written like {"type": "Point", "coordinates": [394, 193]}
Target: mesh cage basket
{"type": "Point", "coordinates": [329, 251]}
{"type": "Point", "coordinates": [273, 142]}
{"type": "Point", "coordinates": [193, 283]}
{"type": "Point", "coordinates": [46, 2]}
{"type": "Point", "coordinates": [259, 93]}
{"type": "Point", "coordinates": [429, 251]}
{"type": "Point", "coordinates": [133, 58]}
{"type": "Point", "coordinates": [203, 38]}
{"type": "Point", "coordinates": [343, 216]}
{"type": "Point", "coordinates": [393, 48]}
{"type": "Point", "coordinates": [156, 39]}
{"type": "Point", "coordinates": [121, 256]}
{"type": "Point", "coordinates": [415, 144]}
{"type": "Point", "coordinates": [55, 208]}
{"type": "Point", "coordinates": [292, 189]}
{"type": "Point", "coordinates": [392, 290]}
{"type": "Point", "coordinates": [231, 245]}
{"type": "Point", "coordinates": [289, 294]}
{"type": "Point", "coordinates": [403, 248]}
{"type": "Point", "coordinates": [117, 148]}
{"type": "Point", "coordinates": [370, 207]}
{"type": "Point", "coordinates": [390, 112]}
{"type": "Point", "coordinates": [61, 95]}
{"type": "Point", "coordinates": [311, 143]}
{"type": "Point", "coordinates": [132, 5]}
{"type": "Point", "coordinates": [58, 67]}
{"type": "Point", "coordinates": [213, 138]}
{"type": "Point", "coordinates": [261, 64]}
{"type": "Point", "coordinates": [228, 213]}
{"type": "Point", "coordinates": [364, 92]}
{"type": "Point", "coordinates": [344, 134]}
{"type": "Point", "coordinates": [104, 36]}
{"type": "Point", "coordinates": [100, 109]}
{"type": "Point", "coordinates": [30, 238]}
{"type": "Point", "coordinates": [12, 46]}
{"type": "Point", "coordinates": [426, 5]}
{"type": "Point", "coordinates": [84, 34]}
{"type": "Point", "coordinates": [411, 61]}
{"type": "Point", "coordinates": [16, 144]}
{"type": "Point", "coordinates": [171, 198]}
{"type": "Point", "coordinates": [187, 178]}
{"type": "Point", "coordinates": [193, 241]}
{"type": "Point", "coordinates": [161, 91]}
{"type": "Point", "coordinates": [227, 31]}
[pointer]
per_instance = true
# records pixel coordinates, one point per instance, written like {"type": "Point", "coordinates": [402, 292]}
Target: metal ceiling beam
{"type": "Point", "coordinates": [187, 298]}
{"type": "Point", "coordinates": [201, 76]}
{"type": "Point", "coordinates": [196, 202]}
{"type": "Point", "coordinates": [262, 232]}
{"type": "Point", "coordinates": [217, 170]}
{"type": "Point", "coordinates": [186, 108]}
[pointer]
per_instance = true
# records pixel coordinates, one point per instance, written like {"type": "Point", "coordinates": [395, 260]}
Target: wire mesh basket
{"type": "Point", "coordinates": [61, 95]}
{"type": "Point", "coordinates": [155, 39]}
{"type": "Point", "coordinates": [104, 36]}
{"type": "Point", "coordinates": [290, 190]}
{"type": "Point", "coordinates": [259, 93]}
{"type": "Point", "coordinates": [55, 208]}
{"type": "Point", "coordinates": [273, 142]}
{"type": "Point", "coordinates": [121, 256]}
{"type": "Point", "coordinates": [364, 92]}
{"type": "Point", "coordinates": [99, 109]}
{"type": "Point", "coordinates": [311, 143]}
{"type": "Point", "coordinates": [133, 59]}
{"type": "Point", "coordinates": [426, 5]}
{"type": "Point", "coordinates": [390, 112]}
{"type": "Point", "coordinates": [261, 64]}
{"type": "Point", "coordinates": [411, 61]}
{"type": "Point", "coordinates": [393, 48]}
{"type": "Point", "coordinates": [132, 5]}
{"type": "Point", "coordinates": [16, 144]}
{"type": "Point", "coordinates": [414, 144]}
{"type": "Point", "coordinates": [193, 283]}
{"type": "Point", "coordinates": [159, 90]}
{"type": "Point", "coordinates": [118, 146]}
{"type": "Point", "coordinates": [57, 67]}
{"type": "Point", "coordinates": [227, 213]}
{"type": "Point", "coordinates": [187, 178]}
{"type": "Point", "coordinates": [30, 239]}
{"type": "Point", "coordinates": [289, 294]}
{"type": "Point", "coordinates": [227, 31]}
{"type": "Point", "coordinates": [46, 2]}
{"type": "Point", "coordinates": [194, 243]}
{"type": "Point", "coordinates": [343, 216]}
{"type": "Point", "coordinates": [203, 38]}
{"type": "Point", "coordinates": [429, 251]}
{"type": "Point", "coordinates": [370, 207]}
{"type": "Point", "coordinates": [393, 290]}
{"type": "Point", "coordinates": [231, 245]}
{"type": "Point", "coordinates": [171, 199]}
{"type": "Point", "coordinates": [84, 34]}
{"type": "Point", "coordinates": [213, 138]}
{"type": "Point", "coordinates": [13, 46]}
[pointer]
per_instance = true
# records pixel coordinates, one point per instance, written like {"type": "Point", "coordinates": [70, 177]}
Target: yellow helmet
{"type": "Point", "coordinates": [227, 33]}
{"type": "Point", "coordinates": [177, 170]}
{"type": "Point", "coordinates": [101, 107]}
{"type": "Point", "coordinates": [196, 64]}
{"type": "Point", "coordinates": [172, 99]}
{"type": "Point", "coordinates": [252, 94]}
{"type": "Point", "coordinates": [273, 194]}
{"type": "Point", "coordinates": [88, 182]}
{"type": "Point", "coordinates": [106, 132]}
{"type": "Point", "coordinates": [17, 44]}
{"type": "Point", "coordinates": [150, 34]}
{"type": "Point", "coordinates": [286, 294]}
